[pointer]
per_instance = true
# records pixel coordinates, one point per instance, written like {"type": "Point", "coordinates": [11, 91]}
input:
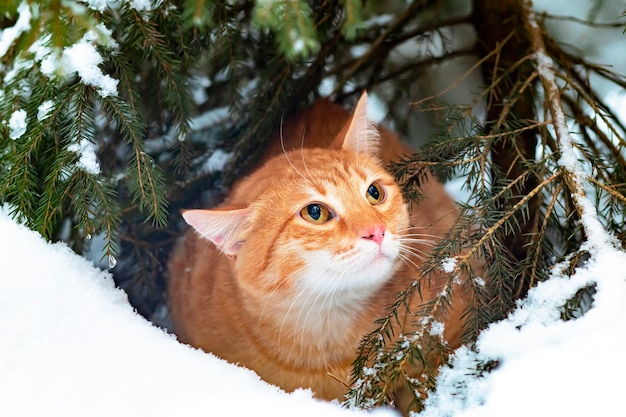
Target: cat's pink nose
{"type": "Point", "coordinates": [376, 233]}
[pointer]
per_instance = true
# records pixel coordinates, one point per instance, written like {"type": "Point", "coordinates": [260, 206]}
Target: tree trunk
{"type": "Point", "coordinates": [498, 21]}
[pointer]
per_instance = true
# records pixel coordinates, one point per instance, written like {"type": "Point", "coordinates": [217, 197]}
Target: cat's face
{"type": "Point", "coordinates": [324, 221]}
{"type": "Point", "coordinates": [313, 222]}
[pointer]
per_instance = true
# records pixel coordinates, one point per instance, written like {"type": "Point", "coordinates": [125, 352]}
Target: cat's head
{"type": "Point", "coordinates": [324, 220]}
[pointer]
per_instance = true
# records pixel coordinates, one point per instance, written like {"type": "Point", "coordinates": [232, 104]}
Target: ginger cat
{"type": "Point", "coordinates": [289, 274]}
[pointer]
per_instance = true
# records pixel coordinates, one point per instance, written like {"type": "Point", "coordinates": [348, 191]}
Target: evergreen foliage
{"type": "Point", "coordinates": [117, 147]}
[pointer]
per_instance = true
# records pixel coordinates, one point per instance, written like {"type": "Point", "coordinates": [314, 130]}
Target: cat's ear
{"type": "Point", "coordinates": [223, 227]}
{"type": "Point", "coordinates": [361, 136]}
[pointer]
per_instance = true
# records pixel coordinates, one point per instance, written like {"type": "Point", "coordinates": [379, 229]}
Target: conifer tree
{"type": "Point", "coordinates": [117, 114]}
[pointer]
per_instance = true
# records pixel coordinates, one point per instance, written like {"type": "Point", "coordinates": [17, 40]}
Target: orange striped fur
{"type": "Point", "coordinates": [258, 284]}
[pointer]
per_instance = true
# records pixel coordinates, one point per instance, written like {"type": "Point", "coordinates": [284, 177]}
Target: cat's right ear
{"type": "Point", "coordinates": [223, 227]}
{"type": "Point", "coordinates": [361, 135]}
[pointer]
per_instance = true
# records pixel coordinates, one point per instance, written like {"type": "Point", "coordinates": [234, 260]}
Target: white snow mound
{"type": "Point", "coordinates": [72, 345]}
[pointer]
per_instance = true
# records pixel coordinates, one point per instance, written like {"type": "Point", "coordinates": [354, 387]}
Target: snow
{"type": "Point", "coordinates": [209, 118]}
{"type": "Point", "coordinates": [479, 281]}
{"type": "Point", "coordinates": [10, 34]}
{"type": "Point", "coordinates": [102, 5]}
{"type": "Point", "coordinates": [83, 58]}
{"type": "Point", "coordinates": [17, 124]}
{"type": "Point", "coordinates": [72, 345]}
{"type": "Point", "coordinates": [298, 43]}
{"type": "Point", "coordinates": [88, 160]}
{"type": "Point", "coordinates": [448, 265]}
{"type": "Point", "coordinates": [547, 366]}
{"type": "Point", "coordinates": [99, 5]}
{"type": "Point", "coordinates": [141, 5]}
{"type": "Point", "coordinates": [44, 110]}
{"type": "Point", "coordinates": [436, 329]}
{"type": "Point", "coordinates": [217, 161]}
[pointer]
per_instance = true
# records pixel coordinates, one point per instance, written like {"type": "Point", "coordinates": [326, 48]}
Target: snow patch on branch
{"type": "Point", "coordinates": [44, 110]}
{"type": "Point", "coordinates": [448, 265]}
{"type": "Point", "coordinates": [87, 158]}
{"type": "Point", "coordinates": [567, 160]}
{"type": "Point", "coordinates": [597, 236]}
{"type": "Point", "coordinates": [17, 124]}
{"type": "Point", "coordinates": [82, 59]}
{"type": "Point", "coordinates": [102, 5]}
{"type": "Point", "coordinates": [535, 348]}
{"type": "Point", "coordinates": [10, 34]}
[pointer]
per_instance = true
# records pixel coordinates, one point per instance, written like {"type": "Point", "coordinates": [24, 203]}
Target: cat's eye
{"type": "Point", "coordinates": [316, 213]}
{"type": "Point", "coordinates": [375, 193]}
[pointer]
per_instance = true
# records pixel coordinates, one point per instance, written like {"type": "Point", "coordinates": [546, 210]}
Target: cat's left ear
{"type": "Point", "coordinates": [361, 136]}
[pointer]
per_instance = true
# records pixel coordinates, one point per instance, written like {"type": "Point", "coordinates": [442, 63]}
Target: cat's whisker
{"type": "Point", "coordinates": [277, 287]}
{"type": "Point", "coordinates": [419, 232]}
{"type": "Point", "coordinates": [265, 304]}
{"type": "Point", "coordinates": [421, 236]}
{"type": "Point", "coordinates": [328, 281]}
{"type": "Point", "coordinates": [413, 256]}
{"type": "Point", "coordinates": [330, 293]}
{"type": "Point", "coordinates": [275, 290]}
{"type": "Point", "coordinates": [408, 262]}
{"type": "Point", "coordinates": [406, 257]}
{"type": "Point", "coordinates": [412, 227]}
{"type": "Point", "coordinates": [304, 305]}
{"type": "Point", "coordinates": [297, 297]}
{"type": "Point", "coordinates": [302, 155]}
{"type": "Point", "coordinates": [282, 146]}
{"type": "Point", "coordinates": [292, 277]}
{"type": "Point", "coordinates": [287, 314]}
{"type": "Point", "coordinates": [401, 233]}
{"type": "Point", "coordinates": [420, 246]}
{"type": "Point", "coordinates": [425, 242]}
{"type": "Point", "coordinates": [414, 251]}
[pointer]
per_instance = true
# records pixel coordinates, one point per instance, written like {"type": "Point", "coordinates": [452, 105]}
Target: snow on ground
{"type": "Point", "coordinates": [72, 345]}
{"type": "Point", "coordinates": [548, 367]}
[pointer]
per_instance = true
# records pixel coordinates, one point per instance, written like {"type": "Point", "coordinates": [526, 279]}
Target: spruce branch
{"type": "Point", "coordinates": [570, 168]}
{"type": "Point", "coordinates": [612, 190]}
{"type": "Point", "coordinates": [489, 233]}
{"type": "Point", "coordinates": [378, 46]}
{"type": "Point", "coordinates": [95, 203]}
{"type": "Point", "coordinates": [540, 241]}
{"type": "Point", "coordinates": [197, 13]}
{"type": "Point", "coordinates": [584, 22]}
{"type": "Point", "coordinates": [292, 23]}
{"type": "Point", "coordinates": [493, 53]}
{"type": "Point", "coordinates": [146, 178]}
{"type": "Point", "coordinates": [353, 12]}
